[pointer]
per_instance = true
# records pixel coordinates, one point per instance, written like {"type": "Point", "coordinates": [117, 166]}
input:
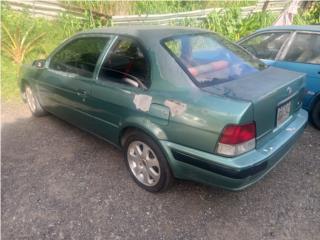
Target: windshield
{"type": "Point", "coordinates": [210, 59]}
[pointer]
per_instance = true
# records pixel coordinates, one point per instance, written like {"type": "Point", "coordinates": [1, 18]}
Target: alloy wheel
{"type": "Point", "coordinates": [30, 99]}
{"type": "Point", "coordinates": [143, 163]}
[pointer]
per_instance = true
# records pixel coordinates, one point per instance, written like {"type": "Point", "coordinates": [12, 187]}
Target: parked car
{"type": "Point", "coordinates": [294, 48]}
{"type": "Point", "coordinates": [181, 103]}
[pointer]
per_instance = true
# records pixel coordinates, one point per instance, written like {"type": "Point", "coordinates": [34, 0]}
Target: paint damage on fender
{"type": "Point", "coordinates": [142, 102]}
{"type": "Point", "coordinates": [176, 108]}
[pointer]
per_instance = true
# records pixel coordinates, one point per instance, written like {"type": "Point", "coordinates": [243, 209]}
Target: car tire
{"type": "Point", "coordinates": [146, 162]}
{"type": "Point", "coordinates": [315, 115]}
{"type": "Point", "coordinates": [33, 102]}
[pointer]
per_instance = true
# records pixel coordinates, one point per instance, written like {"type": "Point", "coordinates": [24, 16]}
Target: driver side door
{"type": "Point", "coordinates": [65, 85]}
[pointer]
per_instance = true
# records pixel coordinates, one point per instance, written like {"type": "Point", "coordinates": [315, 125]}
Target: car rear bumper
{"type": "Point", "coordinates": [238, 172]}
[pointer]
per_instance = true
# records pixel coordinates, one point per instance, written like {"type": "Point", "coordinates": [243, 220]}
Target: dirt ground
{"type": "Point", "coordinates": [59, 182]}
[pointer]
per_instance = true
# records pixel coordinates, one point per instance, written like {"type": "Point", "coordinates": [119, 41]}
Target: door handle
{"type": "Point", "coordinates": [81, 93]}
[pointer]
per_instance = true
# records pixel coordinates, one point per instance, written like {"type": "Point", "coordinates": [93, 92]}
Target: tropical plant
{"type": "Point", "coordinates": [230, 23]}
{"type": "Point", "coordinates": [17, 45]}
{"type": "Point", "coordinates": [255, 21]}
{"type": "Point", "coordinates": [312, 16]}
{"type": "Point", "coordinates": [224, 22]}
{"type": "Point", "coordinates": [72, 24]}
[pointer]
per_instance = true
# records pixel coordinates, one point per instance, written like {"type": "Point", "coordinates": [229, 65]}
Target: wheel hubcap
{"type": "Point", "coordinates": [143, 163]}
{"type": "Point", "coordinates": [30, 99]}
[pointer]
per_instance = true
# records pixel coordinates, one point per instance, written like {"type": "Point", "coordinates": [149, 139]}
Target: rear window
{"type": "Point", "coordinates": [210, 59]}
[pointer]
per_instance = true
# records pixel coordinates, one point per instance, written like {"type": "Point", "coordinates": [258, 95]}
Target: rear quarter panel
{"type": "Point", "coordinates": [202, 118]}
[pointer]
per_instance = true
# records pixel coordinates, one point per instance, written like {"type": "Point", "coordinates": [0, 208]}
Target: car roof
{"type": "Point", "coordinates": [312, 28]}
{"type": "Point", "coordinates": [143, 31]}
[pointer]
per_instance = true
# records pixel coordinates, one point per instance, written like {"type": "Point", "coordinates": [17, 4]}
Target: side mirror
{"type": "Point", "coordinates": [39, 63]}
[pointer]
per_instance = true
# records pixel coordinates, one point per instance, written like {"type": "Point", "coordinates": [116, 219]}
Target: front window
{"type": "Point", "coordinates": [79, 56]}
{"type": "Point", "coordinates": [210, 59]}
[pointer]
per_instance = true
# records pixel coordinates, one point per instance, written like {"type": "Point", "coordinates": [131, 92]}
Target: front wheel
{"type": "Point", "coordinates": [315, 115]}
{"type": "Point", "coordinates": [33, 103]}
{"type": "Point", "coordinates": [146, 163]}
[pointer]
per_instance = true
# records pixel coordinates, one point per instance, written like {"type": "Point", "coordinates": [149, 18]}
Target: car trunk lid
{"type": "Point", "coordinates": [276, 94]}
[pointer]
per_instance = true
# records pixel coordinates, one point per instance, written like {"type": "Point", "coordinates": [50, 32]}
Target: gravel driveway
{"type": "Point", "coordinates": [59, 182]}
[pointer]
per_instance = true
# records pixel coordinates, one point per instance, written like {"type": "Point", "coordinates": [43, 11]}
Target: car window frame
{"type": "Point", "coordinates": [108, 51]}
{"type": "Point", "coordinates": [286, 49]}
{"type": "Point", "coordinates": [75, 38]}
{"type": "Point", "coordinates": [282, 48]}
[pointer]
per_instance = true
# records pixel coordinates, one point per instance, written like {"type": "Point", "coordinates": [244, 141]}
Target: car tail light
{"type": "Point", "coordinates": [237, 139]}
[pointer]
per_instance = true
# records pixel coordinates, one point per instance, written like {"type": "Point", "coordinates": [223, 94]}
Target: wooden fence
{"type": "Point", "coordinates": [53, 8]}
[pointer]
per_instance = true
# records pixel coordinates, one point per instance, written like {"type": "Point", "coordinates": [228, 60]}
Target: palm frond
{"type": "Point", "coordinates": [25, 36]}
{"type": "Point", "coordinates": [18, 45]}
{"type": "Point", "coordinates": [8, 34]}
{"type": "Point", "coordinates": [33, 42]}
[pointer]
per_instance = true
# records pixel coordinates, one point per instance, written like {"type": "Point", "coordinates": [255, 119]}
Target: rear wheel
{"type": "Point", "coordinates": [33, 103]}
{"type": "Point", "coordinates": [146, 163]}
{"type": "Point", "coordinates": [315, 115]}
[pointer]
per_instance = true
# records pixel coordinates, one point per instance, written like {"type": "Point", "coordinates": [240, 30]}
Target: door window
{"type": "Point", "coordinates": [305, 48]}
{"type": "Point", "coordinates": [266, 45]}
{"type": "Point", "coordinates": [80, 56]}
{"type": "Point", "coordinates": [125, 64]}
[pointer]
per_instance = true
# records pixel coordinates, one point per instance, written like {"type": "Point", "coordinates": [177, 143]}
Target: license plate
{"type": "Point", "coordinates": [283, 112]}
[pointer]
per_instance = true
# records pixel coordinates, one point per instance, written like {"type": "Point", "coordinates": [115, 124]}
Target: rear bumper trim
{"type": "Point", "coordinates": [215, 168]}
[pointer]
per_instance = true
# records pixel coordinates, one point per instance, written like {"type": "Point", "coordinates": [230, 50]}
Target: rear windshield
{"type": "Point", "coordinates": [210, 59]}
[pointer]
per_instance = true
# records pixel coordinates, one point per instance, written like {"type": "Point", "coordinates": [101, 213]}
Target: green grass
{"type": "Point", "coordinates": [9, 84]}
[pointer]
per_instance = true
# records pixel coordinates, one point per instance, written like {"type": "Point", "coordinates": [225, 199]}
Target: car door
{"type": "Point", "coordinates": [266, 45]}
{"type": "Point", "coordinates": [303, 55]}
{"type": "Point", "coordinates": [122, 79]}
{"type": "Point", "coordinates": [65, 85]}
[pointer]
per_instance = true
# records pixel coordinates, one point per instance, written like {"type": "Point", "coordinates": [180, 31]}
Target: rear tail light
{"type": "Point", "coordinates": [237, 139]}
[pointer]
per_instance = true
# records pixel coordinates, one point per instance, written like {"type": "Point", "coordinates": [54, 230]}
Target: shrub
{"type": "Point", "coordinates": [71, 24]}
{"type": "Point", "coordinates": [312, 16]}
{"type": "Point", "coordinates": [230, 23]}
{"type": "Point", "coordinates": [122, 7]}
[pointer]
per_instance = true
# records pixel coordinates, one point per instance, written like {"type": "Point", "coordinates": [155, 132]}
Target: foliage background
{"type": "Point", "coordinates": [122, 7]}
{"type": "Point", "coordinates": [227, 22]}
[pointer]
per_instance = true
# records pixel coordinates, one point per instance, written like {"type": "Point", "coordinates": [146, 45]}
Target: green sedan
{"type": "Point", "coordinates": [181, 103]}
